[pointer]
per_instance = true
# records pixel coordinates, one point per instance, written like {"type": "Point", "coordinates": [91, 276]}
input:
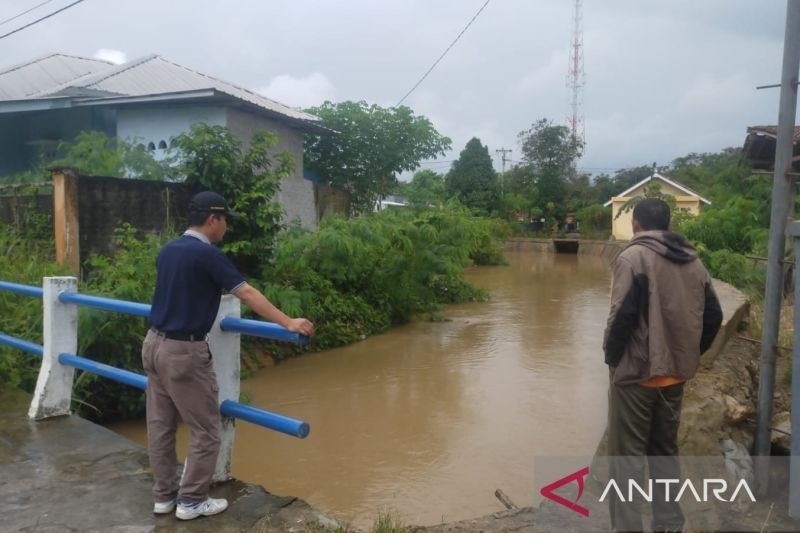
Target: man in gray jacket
{"type": "Point", "coordinates": [664, 315]}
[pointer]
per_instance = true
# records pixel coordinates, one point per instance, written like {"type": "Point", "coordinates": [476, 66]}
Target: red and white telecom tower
{"type": "Point", "coordinates": [576, 76]}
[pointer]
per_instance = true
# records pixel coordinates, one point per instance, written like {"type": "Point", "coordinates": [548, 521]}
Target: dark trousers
{"type": "Point", "coordinates": [643, 428]}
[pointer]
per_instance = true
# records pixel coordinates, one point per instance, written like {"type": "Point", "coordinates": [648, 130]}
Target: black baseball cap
{"type": "Point", "coordinates": [210, 202]}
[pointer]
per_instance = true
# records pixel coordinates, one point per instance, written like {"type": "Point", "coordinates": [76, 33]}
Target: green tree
{"type": "Point", "coordinates": [595, 217]}
{"type": "Point", "coordinates": [603, 188]}
{"type": "Point", "coordinates": [211, 157]}
{"type": "Point", "coordinates": [473, 178]}
{"type": "Point", "coordinates": [551, 152]}
{"type": "Point", "coordinates": [427, 188]}
{"type": "Point", "coordinates": [628, 177]}
{"type": "Point", "coordinates": [366, 146]}
{"type": "Point", "coordinates": [520, 195]}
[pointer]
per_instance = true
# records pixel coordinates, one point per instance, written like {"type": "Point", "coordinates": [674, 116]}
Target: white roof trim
{"type": "Point", "coordinates": [158, 97]}
{"type": "Point", "coordinates": [665, 180]}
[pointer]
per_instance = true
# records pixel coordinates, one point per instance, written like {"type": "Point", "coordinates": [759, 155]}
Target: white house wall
{"type": "Point", "coordinates": [161, 123]}
{"type": "Point", "coordinates": [297, 194]}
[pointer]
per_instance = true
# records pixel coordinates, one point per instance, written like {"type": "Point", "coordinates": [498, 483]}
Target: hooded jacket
{"type": "Point", "coordinates": [664, 311]}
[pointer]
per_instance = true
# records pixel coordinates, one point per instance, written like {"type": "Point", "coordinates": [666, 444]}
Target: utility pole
{"type": "Point", "coordinates": [782, 205]}
{"type": "Point", "coordinates": [503, 152]}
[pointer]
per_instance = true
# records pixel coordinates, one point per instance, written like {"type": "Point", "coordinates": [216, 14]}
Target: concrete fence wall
{"type": "Point", "coordinates": [19, 201]}
{"type": "Point", "coordinates": [104, 203]}
{"type": "Point", "coordinates": [88, 209]}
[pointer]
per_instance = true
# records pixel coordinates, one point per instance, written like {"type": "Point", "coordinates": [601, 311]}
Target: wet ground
{"type": "Point", "coordinates": [68, 474]}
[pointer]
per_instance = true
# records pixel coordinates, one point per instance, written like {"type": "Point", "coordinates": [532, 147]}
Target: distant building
{"type": "Point", "coordinates": [685, 198]}
{"type": "Point", "coordinates": [759, 147]}
{"type": "Point", "coordinates": [148, 100]}
{"type": "Point", "coordinates": [391, 200]}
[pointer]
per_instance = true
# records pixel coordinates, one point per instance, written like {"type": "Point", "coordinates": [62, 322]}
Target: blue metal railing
{"type": "Point", "coordinates": [25, 290]}
{"type": "Point", "coordinates": [257, 328]}
{"type": "Point", "coordinates": [21, 344]}
{"type": "Point", "coordinates": [274, 421]}
{"type": "Point", "coordinates": [105, 304]}
{"type": "Point", "coordinates": [101, 369]}
{"type": "Point", "coordinates": [284, 424]}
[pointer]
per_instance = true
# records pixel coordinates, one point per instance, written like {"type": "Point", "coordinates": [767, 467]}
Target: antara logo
{"type": "Point", "coordinates": [548, 491]}
{"type": "Point", "coordinates": [718, 488]}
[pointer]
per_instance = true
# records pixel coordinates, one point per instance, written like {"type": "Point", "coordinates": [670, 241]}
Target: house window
{"type": "Point", "coordinates": [150, 146]}
{"type": "Point", "coordinates": [162, 145]}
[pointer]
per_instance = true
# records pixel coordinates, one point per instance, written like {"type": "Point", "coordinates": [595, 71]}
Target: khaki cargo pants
{"type": "Point", "coordinates": [181, 385]}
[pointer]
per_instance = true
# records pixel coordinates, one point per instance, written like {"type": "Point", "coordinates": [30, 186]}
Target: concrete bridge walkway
{"type": "Point", "coordinates": [69, 474]}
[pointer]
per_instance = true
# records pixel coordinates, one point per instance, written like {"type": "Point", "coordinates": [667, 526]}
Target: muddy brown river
{"type": "Point", "coordinates": [428, 419]}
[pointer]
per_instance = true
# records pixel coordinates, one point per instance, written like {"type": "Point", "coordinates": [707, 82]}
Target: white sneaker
{"type": "Point", "coordinates": [188, 511]}
{"type": "Point", "coordinates": [164, 507]}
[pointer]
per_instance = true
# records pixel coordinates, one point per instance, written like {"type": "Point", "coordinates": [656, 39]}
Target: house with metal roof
{"type": "Point", "coordinates": [147, 100]}
{"type": "Point", "coordinates": [759, 147]}
{"type": "Point", "coordinates": [685, 198]}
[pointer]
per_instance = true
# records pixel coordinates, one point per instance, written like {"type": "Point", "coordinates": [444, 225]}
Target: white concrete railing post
{"type": "Point", "coordinates": [53, 393]}
{"type": "Point", "coordinates": [225, 348]}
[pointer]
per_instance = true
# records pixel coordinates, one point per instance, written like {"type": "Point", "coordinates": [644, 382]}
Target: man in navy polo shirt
{"type": "Point", "coordinates": [192, 274]}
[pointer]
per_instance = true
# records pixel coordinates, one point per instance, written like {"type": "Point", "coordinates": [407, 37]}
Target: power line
{"type": "Point", "coordinates": [26, 12]}
{"type": "Point", "coordinates": [443, 53]}
{"type": "Point", "coordinates": [612, 169]}
{"type": "Point", "coordinates": [56, 12]}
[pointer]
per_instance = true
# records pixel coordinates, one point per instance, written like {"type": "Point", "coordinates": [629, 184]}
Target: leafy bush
{"type": "Point", "coordinates": [733, 268]}
{"type": "Point", "coordinates": [27, 261]}
{"type": "Point", "coordinates": [357, 277]}
{"type": "Point", "coordinates": [116, 338]}
{"type": "Point", "coordinates": [733, 226]}
{"type": "Point", "coordinates": [595, 217]}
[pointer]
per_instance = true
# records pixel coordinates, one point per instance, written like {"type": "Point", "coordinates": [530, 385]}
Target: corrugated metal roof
{"type": "Point", "coordinates": [27, 79]}
{"type": "Point", "coordinates": [759, 147]}
{"type": "Point", "coordinates": [772, 131]}
{"type": "Point", "coordinates": [152, 75]}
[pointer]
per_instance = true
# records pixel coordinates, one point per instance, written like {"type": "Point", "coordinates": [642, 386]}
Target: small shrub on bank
{"type": "Point", "coordinates": [357, 277]}
{"type": "Point", "coordinates": [24, 261]}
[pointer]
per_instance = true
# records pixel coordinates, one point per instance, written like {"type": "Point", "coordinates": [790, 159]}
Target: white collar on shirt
{"type": "Point", "coordinates": [197, 235]}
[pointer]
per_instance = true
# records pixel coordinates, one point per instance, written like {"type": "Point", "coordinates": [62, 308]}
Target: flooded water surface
{"type": "Point", "coordinates": [428, 419]}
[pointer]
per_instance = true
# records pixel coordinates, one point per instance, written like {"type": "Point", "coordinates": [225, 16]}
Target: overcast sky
{"type": "Point", "coordinates": [663, 78]}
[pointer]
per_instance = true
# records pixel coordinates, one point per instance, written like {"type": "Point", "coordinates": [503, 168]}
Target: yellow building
{"type": "Point", "coordinates": [685, 198]}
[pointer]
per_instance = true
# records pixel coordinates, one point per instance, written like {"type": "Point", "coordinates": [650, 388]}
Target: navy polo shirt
{"type": "Point", "coordinates": [191, 277]}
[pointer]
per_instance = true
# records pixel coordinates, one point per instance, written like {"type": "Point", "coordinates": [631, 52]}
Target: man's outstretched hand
{"type": "Point", "coordinates": [302, 326]}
